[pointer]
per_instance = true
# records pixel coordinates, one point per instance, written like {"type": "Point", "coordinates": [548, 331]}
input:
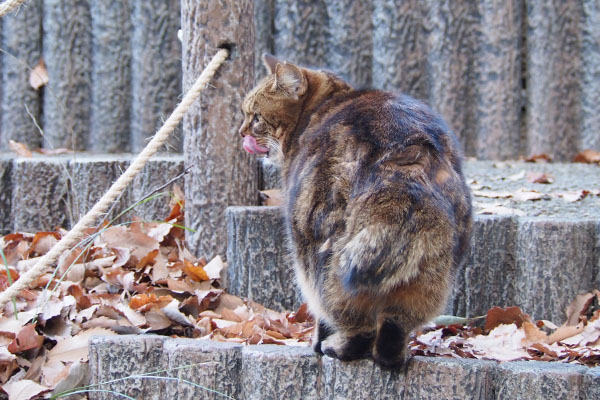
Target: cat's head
{"type": "Point", "coordinates": [272, 109]}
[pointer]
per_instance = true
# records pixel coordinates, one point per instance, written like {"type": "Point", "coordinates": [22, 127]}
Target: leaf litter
{"type": "Point", "coordinates": [140, 278]}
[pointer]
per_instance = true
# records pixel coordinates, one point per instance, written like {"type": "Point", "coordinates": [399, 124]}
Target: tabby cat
{"type": "Point", "coordinates": [376, 206]}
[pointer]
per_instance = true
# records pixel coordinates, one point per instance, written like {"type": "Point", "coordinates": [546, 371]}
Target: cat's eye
{"type": "Point", "coordinates": [255, 119]}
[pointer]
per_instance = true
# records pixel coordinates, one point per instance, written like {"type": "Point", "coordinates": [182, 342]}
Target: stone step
{"type": "Point", "coordinates": [43, 192]}
{"type": "Point", "coordinates": [190, 369]}
{"type": "Point", "coordinates": [538, 261]}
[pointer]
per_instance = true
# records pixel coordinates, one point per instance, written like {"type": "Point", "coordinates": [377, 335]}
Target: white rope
{"type": "Point", "coordinates": [9, 5]}
{"type": "Point", "coordinates": [115, 190]}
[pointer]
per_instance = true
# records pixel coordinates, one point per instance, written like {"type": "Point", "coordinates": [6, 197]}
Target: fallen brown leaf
{"type": "Point", "coordinates": [20, 148]}
{"type": "Point", "coordinates": [539, 177]}
{"type": "Point", "coordinates": [588, 156]}
{"type": "Point", "coordinates": [38, 76]}
{"type": "Point", "coordinates": [539, 158]}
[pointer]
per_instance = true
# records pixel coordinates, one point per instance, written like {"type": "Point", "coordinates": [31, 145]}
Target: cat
{"type": "Point", "coordinates": [377, 210]}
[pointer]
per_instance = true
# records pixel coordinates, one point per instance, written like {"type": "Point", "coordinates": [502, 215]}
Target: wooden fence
{"type": "Point", "coordinates": [512, 77]}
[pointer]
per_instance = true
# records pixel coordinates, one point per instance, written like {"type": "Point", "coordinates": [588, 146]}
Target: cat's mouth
{"type": "Point", "coordinates": [252, 147]}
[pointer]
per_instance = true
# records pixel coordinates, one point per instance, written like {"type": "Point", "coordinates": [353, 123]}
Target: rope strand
{"type": "Point", "coordinates": [115, 190]}
{"type": "Point", "coordinates": [8, 6]}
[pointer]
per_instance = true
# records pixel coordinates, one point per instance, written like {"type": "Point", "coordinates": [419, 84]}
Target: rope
{"type": "Point", "coordinates": [115, 190]}
{"type": "Point", "coordinates": [8, 6]}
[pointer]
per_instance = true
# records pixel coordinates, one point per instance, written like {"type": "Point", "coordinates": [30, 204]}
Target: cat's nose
{"type": "Point", "coordinates": [242, 130]}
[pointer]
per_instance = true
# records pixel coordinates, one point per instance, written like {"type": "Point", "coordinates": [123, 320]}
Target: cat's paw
{"type": "Point", "coordinates": [396, 362]}
{"type": "Point", "coordinates": [347, 348]}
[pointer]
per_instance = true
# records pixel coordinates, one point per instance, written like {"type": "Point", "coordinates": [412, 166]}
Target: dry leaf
{"type": "Point", "coordinates": [76, 348]}
{"type": "Point", "coordinates": [38, 76]}
{"type": "Point", "coordinates": [195, 272]}
{"type": "Point", "coordinates": [24, 389]}
{"type": "Point", "coordinates": [564, 332]}
{"type": "Point", "coordinates": [214, 267]}
{"type": "Point", "coordinates": [587, 156]}
{"type": "Point", "coordinates": [539, 158]}
{"type": "Point", "coordinates": [20, 148]}
{"type": "Point", "coordinates": [498, 209]}
{"type": "Point", "coordinates": [539, 177]}
{"type": "Point", "coordinates": [509, 315]}
{"type": "Point", "coordinates": [26, 339]}
{"type": "Point", "coordinates": [578, 307]}
{"type": "Point", "coordinates": [54, 152]}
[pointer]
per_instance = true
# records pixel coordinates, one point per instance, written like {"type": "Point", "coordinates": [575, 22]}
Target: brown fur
{"type": "Point", "coordinates": [377, 209]}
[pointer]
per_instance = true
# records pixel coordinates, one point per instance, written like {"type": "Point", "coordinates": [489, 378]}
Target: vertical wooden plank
{"type": "Point", "coordinates": [399, 47]}
{"type": "Point", "coordinates": [111, 76]}
{"type": "Point", "coordinates": [156, 68]}
{"type": "Point", "coordinates": [67, 52]}
{"type": "Point", "coordinates": [350, 40]}
{"type": "Point", "coordinates": [498, 80]}
{"type": "Point", "coordinates": [264, 15]}
{"type": "Point", "coordinates": [590, 118]}
{"type": "Point", "coordinates": [450, 57]}
{"type": "Point", "coordinates": [22, 38]}
{"type": "Point", "coordinates": [222, 174]}
{"type": "Point", "coordinates": [553, 80]}
{"type": "Point", "coordinates": [301, 31]}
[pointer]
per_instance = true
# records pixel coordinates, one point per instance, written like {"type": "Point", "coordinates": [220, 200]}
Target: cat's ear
{"type": "Point", "coordinates": [270, 62]}
{"type": "Point", "coordinates": [290, 79]}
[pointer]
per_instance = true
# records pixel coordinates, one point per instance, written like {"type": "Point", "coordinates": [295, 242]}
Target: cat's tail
{"type": "Point", "coordinates": [382, 257]}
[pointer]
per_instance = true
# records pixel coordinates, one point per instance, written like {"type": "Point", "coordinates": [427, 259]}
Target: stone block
{"type": "Point", "coordinates": [40, 194]}
{"type": "Point", "coordinates": [155, 68]}
{"type": "Point", "coordinates": [269, 176]}
{"type": "Point", "coordinates": [67, 49]}
{"type": "Point", "coordinates": [22, 43]}
{"type": "Point", "coordinates": [486, 279]}
{"type": "Point", "coordinates": [538, 380]}
{"type": "Point", "coordinates": [6, 220]}
{"type": "Point", "coordinates": [555, 262]}
{"type": "Point", "coordinates": [115, 358]}
{"type": "Point", "coordinates": [553, 108]}
{"type": "Point", "coordinates": [92, 176]}
{"type": "Point", "coordinates": [111, 76]}
{"type": "Point", "coordinates": [157, 172]}
{"type": "Point", "coordinates": [214, 369]}
{"type": "Point", "coordinates": [591, 384]}
{"type": "Point", "coordinates": [279, 372]}
{"type": "Point", "coordinates": [256, 256]}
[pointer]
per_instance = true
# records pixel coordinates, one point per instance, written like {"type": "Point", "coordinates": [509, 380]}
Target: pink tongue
{"type": "Point", "coordinates": [252, 147]}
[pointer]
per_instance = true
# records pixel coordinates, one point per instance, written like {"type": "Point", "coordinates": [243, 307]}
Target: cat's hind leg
{"type": "Point", "coordinates": [322, 332]}
{"type": "Point", "coordinates": [352, 336]}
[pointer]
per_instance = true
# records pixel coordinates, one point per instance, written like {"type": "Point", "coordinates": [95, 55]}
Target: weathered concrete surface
{"type": "Point", "coordinates": [222, 174]}
{"type": "Point", "coordinates": [553, 85]}
{"type": "Point", "coordinates": [350, 40]}
{"type": "Point", "coordinates": [67, 53]}
{"type": "Point", "coordinates": [40, 194]}
{"type": "Point", "coordinates": [115, 357]}
{"type": "Point", "coordinates": [43, 192]}
{"type": "Point", "coordinates": [590, 84]}
{"type": "Point", "coordinates": [216, 367]}
{"type": "Point", "coordinates": [5, 194]}
{"type": "Point", "coordinates": [291, 372]}
{"type": "Point", "coordinates": [485, 279]}
{"type": "Point", "coordinates": [21, 38]}
{"type": "Point", "coordinates": [497, 79]}
{"type": "Point", "coordinates": [111, 76]}
{"type": "Point", "coordinates": [264, 11]}
{"type": "Point", "coordinates": [155, 68]}
{"type": "Point", "coordinates": [399, 46]}
{"type": "Point", "coordinates": [277, 372]}
{"type": "Point", "coordinates": [539, 380]}
{"type": "Point", "coordinates": [300, 31]}
{"type": "Point", "coordinates": [258, 268]}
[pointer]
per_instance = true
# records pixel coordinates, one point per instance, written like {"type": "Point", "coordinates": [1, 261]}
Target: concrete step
{"type": "Point", "coordinates": [538, 260]}
{"type": "Point", "coordinates": [280, 372]}
{"type": "Point", "coordinates": [43, 192]}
